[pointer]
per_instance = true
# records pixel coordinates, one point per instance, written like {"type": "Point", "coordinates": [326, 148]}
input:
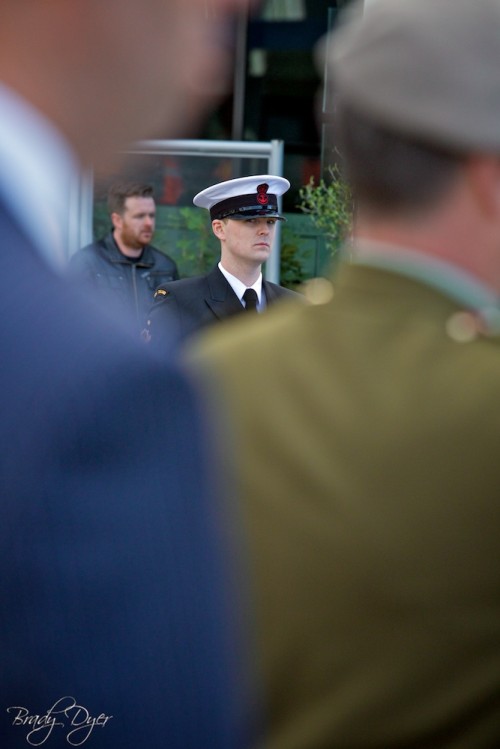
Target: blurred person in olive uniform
{"type": "Point", "coordinates": [365, 430]}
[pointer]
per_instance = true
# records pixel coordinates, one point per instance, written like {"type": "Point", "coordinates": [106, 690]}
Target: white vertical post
{"type": "Point", "coordinates": [276, 158]}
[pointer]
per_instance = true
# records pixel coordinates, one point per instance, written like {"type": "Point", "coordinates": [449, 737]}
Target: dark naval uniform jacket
{"type": "Point", "coordinates": [184, 307]}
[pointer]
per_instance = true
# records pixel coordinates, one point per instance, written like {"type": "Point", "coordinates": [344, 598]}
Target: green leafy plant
{"type": "Point", "coordinates": [197, 248]}
{"type": "Point", "coordinates": [330, 206]}
{"type": "Point", "coordinates": [291, 267]}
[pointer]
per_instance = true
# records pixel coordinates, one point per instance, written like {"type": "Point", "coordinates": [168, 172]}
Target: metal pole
{"type": "Point", "coordinates": [276, 159]}
{"type": "Point", "coordinates": [240, 72]}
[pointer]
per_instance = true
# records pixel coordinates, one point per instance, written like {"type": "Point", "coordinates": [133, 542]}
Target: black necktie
{"type": "Point", "coordinates": [251, 300]}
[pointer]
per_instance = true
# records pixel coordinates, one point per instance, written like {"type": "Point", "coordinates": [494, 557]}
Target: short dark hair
{"type": "Point", "coordinates": [388, 171]}
{"type": "Point", "coordinates": [120, 191]}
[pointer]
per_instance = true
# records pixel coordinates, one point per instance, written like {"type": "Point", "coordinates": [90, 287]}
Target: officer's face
{"type": "Point", "coordinates": [250, 240]}
{"type": "Point", "coordinates": [135, 227]}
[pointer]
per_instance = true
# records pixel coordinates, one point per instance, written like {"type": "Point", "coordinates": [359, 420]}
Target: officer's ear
{"type": "Point", "coordinates": [218, 228]}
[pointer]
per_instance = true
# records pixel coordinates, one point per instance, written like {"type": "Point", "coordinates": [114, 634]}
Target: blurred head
{"type": "Point", "coordinates": [425, 69]}
{"type": "Point", "coordinates": [390, 173]}
{"type": "Point", "coordinates": [108, 73]}
{"type": "Point", "coordinates": [417, 92]}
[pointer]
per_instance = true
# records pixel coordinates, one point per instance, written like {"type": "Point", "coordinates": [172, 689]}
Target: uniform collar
{"type": "Point", "coordinates": [116, 256]}
{"type": "Point", "coordinates": [434, 272]}
{"type": "Point", "coordinates": [239, 287]}
{"type": "Point", "coordinates": [447, 278]}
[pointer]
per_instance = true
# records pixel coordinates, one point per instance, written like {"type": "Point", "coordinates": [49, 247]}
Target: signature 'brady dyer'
{"type": "Point", "coordinates": [65, 713]}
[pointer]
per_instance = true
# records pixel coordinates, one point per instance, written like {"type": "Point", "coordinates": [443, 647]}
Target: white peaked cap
{"type": "Point", "coordinates": [244, 197]}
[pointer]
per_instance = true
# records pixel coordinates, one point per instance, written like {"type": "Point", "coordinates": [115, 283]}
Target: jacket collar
{"type": "Point", "coordinates": [445, 277]}
{"type": "Point", "coordinates": [223, 301]}
{"type": "Point", "coordinates": [115, 256]}
{"type": "Point", "coordinates": [238, 286]}
{"type": "Point", "coordinates": [221, 298]}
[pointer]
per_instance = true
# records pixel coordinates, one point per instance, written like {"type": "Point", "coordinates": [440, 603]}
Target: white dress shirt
{"type": "Point", "coordinates": [239, 287]}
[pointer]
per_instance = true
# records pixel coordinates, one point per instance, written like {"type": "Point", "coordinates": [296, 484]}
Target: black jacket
{"type": "Point", "coordinates": [117, 280]}
{"type": "Point", "coordinates": [184, 307]}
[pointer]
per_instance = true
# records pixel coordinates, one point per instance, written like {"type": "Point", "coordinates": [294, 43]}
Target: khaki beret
{"type": "Point", "coordinates": [428, 69]}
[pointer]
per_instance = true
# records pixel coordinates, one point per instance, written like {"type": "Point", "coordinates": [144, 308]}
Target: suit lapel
{"type": "Point", "coordinates": [221, 298]}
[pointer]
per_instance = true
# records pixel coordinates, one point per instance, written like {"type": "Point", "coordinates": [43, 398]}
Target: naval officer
{"type": "Point", "coordinates": [243, 213]}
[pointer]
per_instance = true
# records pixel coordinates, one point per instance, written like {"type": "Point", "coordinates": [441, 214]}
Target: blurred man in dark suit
{"type": "Point", "coordinates": [116, 623]}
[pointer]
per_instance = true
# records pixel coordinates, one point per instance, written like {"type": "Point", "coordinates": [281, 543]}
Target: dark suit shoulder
{"type": "Point", "coordinates": [91, 247]}
{"type": "Point", "coordinates": [183, 288]}
{"type": "Point", "coordinates": [86, 257]}
{"type": "Point", "coordinates": [275, 291]}
{"type": "Point", "coordinates": [98, 246]}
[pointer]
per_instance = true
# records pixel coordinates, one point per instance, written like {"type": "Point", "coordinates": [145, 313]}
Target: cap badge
{"type": "Point", "coordinates": [262, 198]}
